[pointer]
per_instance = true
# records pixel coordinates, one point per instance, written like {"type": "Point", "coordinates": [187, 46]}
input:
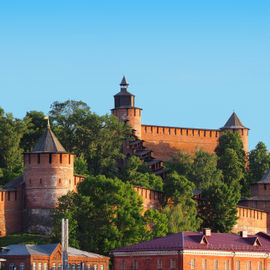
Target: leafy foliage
{"type": "Point", "coordinates": [105, 214]}
{"type": "Point", "coordinates": [219, 207]}
{"type": "Point", "coordinates": [157, 224]}
{"type": "Point", "coordinates": [136, 172]}
{"type": "Point", "coordinates": [11, 132]}
{"type": "Point", "coordinates": [35, 127]}
{"type": "Point", "coordinates": [98, 138]}
{"type": "Point", "coordinates": [259, 162]}
{"type": "Point", "coordinates": [181, 219]}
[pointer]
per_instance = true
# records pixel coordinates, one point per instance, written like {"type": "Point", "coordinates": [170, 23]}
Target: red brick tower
{"type": "Point", "coordinates": [124, 109]}
{"type": "Point", "coordinates": [48, 175]}
{"type": "Point", "coordinates": [234, 124]}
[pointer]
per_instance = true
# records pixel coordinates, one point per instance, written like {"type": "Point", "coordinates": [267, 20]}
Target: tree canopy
{"type": "Point", "coordinates": [105, 214]}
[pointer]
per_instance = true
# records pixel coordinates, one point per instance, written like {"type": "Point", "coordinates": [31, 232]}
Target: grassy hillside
{"type": "Point", "coordinates": [24, 238]}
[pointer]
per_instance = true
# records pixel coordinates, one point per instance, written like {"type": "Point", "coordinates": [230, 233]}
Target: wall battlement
{"type": "Point", "coordinates": [179, 131]}
{"type": "Point", "coordinates": [250, 220]}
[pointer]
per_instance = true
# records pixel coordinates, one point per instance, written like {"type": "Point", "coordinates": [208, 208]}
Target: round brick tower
{"type": "Point", "coordinates": [125, 110]}
{"type": "Point", "coordinates": [234, 124]}
{"type": "Point", "coordinates": [48, 175]}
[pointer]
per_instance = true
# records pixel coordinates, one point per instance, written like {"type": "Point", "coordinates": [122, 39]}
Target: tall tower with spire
{"type": "Point", "coordinates": [234, 124]}
{"type": "Point", "coordinates": [125, 110]}
{"type": "Point", "coordinates": [48, 175]}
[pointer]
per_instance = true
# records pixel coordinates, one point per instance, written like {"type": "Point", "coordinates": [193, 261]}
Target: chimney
{"type": "Point", "coordinates": [207, 231]}
{"type": "Point", "coordinates": [243, 234]}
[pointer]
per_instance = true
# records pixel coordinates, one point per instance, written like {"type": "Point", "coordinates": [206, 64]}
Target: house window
{"type": "Point", "coordinates": [21, 266]}
{"type": "Point", "coordinates": [54, 266]}
{"type": "Point", "coordinates": [192, 264]}
{"type": "Point", "coordinates": [204, 264]}
{"type": "Point", "coordinates": [11, 266]}
{"type": "Point", "coordinates": [159, 264]}
{"type": "Point", "coordinates": [88, 267]}
{"type": "Point", "coordinates": [40, 266]}
{"type": "Point", "coordinates": [172, 263]}
{"type": "Point", "coordinates": [123, 265]}
{"type": "Point", "coordinates": [259, 265]}
{"type": "Point", "coordinates": [249, 265]}
{"type": "Point", "coordinates": [59, 266]}
{"type": "Point", "coordinates": [215, 264]}
{"type": "Point", "coordinates": [78, 267]}
{"type": "Point", "coordinates": [101, 267]}
{"type": "Point", "coordinates": [95, 267]}
{"type": "Point", "coordinates": [34, 266]}
{"type": "Point", "coordinates": [46, 266]}
{"type": "Point", "coordinates": [69, 267]}
{"type": "Point", "coordinates": [227, 265]}
{"type": "Point", "coordinates": [135, 265]}
{"type": "Point", "coordinates": [237, 265]}
{"type": "Point", "coordinates": [73, 267]}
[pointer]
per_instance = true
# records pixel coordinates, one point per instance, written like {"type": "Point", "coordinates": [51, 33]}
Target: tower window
{"type": "Point", "coordinates": [50, 158]}
{"type": "Point", "coordinates": [8, 195]}
{"type": "Point", "coordinates": [15, 195]}
{"type": "Point", "coordinates": [59, 180]}
{"type": "Point", "coordinates": [40, 181]}
{"type": "Point", "coordinates": [38, 158]}
{"type": "Point", "coordinates": [69, 159]}
{"type": "Point", "coordinates": [29, 159]}
{"type": "Point", "coordinates": [30, 182]}
{"type": "Point", "coordinates": [60, 158]}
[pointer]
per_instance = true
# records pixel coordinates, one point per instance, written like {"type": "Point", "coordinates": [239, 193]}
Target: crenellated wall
{"type": "Point", "coordinates": [167, 141]}
{"type": "Point", "coordinates": [151, 198]}
{"type": "Point", "coordinates": [11, 206]}
{"type": "Point", "coordinates": [250, 220]}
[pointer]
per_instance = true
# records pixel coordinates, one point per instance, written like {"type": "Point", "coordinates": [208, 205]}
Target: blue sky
{"type": "Point", "coordinates": [189, 63]}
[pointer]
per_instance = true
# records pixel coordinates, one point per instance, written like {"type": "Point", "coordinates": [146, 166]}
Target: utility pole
{"type": "Point", "coordinates": [64, 244]}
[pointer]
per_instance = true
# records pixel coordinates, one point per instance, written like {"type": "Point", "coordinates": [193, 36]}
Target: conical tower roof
{"type": "Point", "coordinates": [48, 143]}
{"type": "Point", "coordinates": [124, 81]}
{"type": "Point", "coordinates": [266, 178]}
{"type": "Point", "coordinates": [233, 123]}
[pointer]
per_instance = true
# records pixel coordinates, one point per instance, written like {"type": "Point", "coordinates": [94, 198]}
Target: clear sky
{"type": "Point", "coordinates": [189, 63]}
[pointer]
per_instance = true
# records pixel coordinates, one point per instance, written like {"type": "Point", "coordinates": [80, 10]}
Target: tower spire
{"type": "Point", "coordinates": [124, 82]}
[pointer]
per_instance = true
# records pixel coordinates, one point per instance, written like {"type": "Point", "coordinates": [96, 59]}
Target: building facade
{"type": "Point", "coordinates": [197, 251]}
{"type": "Point", "coordinates": [48, 257]}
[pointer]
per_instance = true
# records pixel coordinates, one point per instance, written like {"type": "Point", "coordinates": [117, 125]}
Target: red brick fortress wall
{"type": "Point", "coordinates": [11, 205]}
{"type": "Point", "coordinates": [167, 141]}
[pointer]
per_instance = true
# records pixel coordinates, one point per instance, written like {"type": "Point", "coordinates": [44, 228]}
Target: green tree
{"type": "Point", "coordinates": [157, 224]}
{"type": "Point", "coordinates": [231, 167]}
{"type": "Point", "coordinates": [98, 138]}
{"type": "Point", "coordinates": [181, 163]}
{"type": "Point", "coordinates": [219, 207]}
{"type": "Point", "coordinates": [80, 166]}
{"type": "Point", "coordinates": [259, 162]}
{"type": "Point", "coordinates": [136, 172]}
{"type": "Point", "coordinates": [11, 132]}
{"type": "Point", "coordinates": [232, 140]}
{"type": "Point", "coordinates": [182, 219]}
{"type": "Point", "coordinates": [204, 170]}
{"type": "Point", "coordinates": [178, 193]}
{"type": "Point", "coordinates": [106, 214]}
{"type": "Point", "coordinates": [35, 127]}
{"type": "Point", "coordinates": [178, 189]}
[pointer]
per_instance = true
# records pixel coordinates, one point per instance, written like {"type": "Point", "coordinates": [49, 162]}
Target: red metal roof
{"type": "Point", "coordinates": [193, 240]}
